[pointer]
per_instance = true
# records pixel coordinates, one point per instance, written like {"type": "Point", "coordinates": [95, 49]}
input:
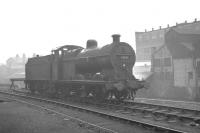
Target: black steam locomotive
{"type": "Point", "coordinates": [91, 72]}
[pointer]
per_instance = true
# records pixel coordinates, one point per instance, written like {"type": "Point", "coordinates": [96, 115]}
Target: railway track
{"type": "Point", "coordinates": [187, 120]}
{"type": "Point", "coordinates": [190, 117]}
{"type": "Point", "coordinates": [86, 124]}
{"type": "Point", "coordinates": [123, 113]}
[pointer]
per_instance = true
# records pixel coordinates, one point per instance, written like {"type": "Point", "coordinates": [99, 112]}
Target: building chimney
{"type": "Point", "coordinates": [116, 38]}
{"type": "Point", "coordinates": [160, 27]}
{"type": "Point", "coordinates": [195, 20]}
{"type": "Point", "coordinates": [152, 29]}
{"type": "Point", "coordinates": [145, 30]}
{"type": "Point", "coordinates": [167, 25]}
{"type": "Point", "coordinates": [176, 23]}
{"type": "Point", "coordinates": [186, 21]}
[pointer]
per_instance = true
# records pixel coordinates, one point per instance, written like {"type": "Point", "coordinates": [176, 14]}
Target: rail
{"type": "Point", "coordinates": [113, 116]}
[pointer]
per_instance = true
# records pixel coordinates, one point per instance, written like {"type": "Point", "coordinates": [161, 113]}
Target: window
{"type": "Point", "coordinates": [197, 27]}
{"type": "Point", "coordinates": [190, 75]}
{"type": "Point", "coordinates": [167, 61]}
{"type": "Point", "coordinates": [157, 62]}
{"type": "Point", "coordinates": [198, 69]}
{"type": "Point", "coordinates": [167, 75]}
{"type": "Point", "coordinates": [139, 37]}
{"type": "Point", "coordinates": [162, 75]}
{"type": "Point", "coordinates": [161, 35]}
{"type": "Point", "coordinates": [153, 36]}
{"type": "Point", "coordinates": [153, 49]}
{"type": "Point", "coordinates": [146, 50]}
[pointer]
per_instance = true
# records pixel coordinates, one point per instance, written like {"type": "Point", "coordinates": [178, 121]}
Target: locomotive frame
{"type": "Point", "coordinates": [74, 71]}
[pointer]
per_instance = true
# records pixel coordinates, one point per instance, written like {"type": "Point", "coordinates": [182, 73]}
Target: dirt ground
{"type": "Point", "coordinates": [19, 118]}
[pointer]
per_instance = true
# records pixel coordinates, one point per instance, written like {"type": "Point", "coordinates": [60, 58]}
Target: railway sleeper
{"type": "Point", "coordinates": [183, 117]}
{"type": "Point", "coordinates": [174, 117]}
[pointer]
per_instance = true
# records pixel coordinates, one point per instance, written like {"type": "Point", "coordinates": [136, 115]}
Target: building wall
{"type": "Point", "coordinates": [184, 78]}
{"type": "Point", "coordinates": [162, 61]}
{"type": "Point", "coordinates": [198, 73]}
{"type": "Point", "coordinates": [162, 68]}
{"type": "Point", "coordinates": [149, 41]}
{"type": "Point", "coordinates": [184, 73]}
{"type": "Point", "coordinates": [173, 78]}
{"type": "Point", "coordinates": [192, 28]}
{"type": "Point", "coordinates": [176, 81]}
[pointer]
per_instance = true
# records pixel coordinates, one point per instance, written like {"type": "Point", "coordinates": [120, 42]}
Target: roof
{"type": "Point", "coordinates": [181, 44]}
{"type": "Point", "coordinates": [69, 47]}
{"type": "Point", "coordinates": [17, 75]}
{"type": "Point", "coordinates": [188, 28]}
{"type": "Point", "coordinates": [183, 27]}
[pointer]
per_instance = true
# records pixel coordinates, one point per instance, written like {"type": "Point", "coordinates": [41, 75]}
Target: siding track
{"type": "Point", "coordinates": [123, 113]}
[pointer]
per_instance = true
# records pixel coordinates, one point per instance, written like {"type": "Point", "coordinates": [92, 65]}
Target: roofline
{"type": "Point", "coordinates": [174, 26]}
{"type": "Point", "coordinates": [158, 49]}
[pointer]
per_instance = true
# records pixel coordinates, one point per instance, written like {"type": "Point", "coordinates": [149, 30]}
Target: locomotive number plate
{"type": "Point", "coordinates": [124, 57]}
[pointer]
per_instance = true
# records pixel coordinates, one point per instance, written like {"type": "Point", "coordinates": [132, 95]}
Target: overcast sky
{"type": "Point", "coordinates": [38, 26]}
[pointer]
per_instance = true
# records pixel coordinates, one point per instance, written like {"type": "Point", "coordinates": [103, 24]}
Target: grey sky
{"type": "Point", "coordinates": [38, 26]}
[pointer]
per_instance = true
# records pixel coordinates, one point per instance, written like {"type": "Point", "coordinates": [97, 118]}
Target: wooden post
{"type": "Point", "coordinates": [12, 84]}
{"type": "Point", "coordinates": [13, 80]}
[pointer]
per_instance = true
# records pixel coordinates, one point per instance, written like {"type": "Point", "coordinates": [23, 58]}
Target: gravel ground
{"type": "Point", "coordinates": [91, 118]}
{"type": "Point", "coordinates": [99, 120]}
{"type": "Point", "coordinates": [19, 118]}
{"type": "Point", "coordinates": [124, 128]}
{"type": "Point", "coordinates": [173, 103]}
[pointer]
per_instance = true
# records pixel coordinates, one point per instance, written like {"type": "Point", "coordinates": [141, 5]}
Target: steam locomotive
{"type": "Point", "coordinates": [71, 70]}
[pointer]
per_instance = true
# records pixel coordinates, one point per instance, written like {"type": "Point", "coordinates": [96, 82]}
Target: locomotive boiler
{"type": "Point", "coordinates": [92, 71]}
{"type": "Point", "coordinates": [115, 61]}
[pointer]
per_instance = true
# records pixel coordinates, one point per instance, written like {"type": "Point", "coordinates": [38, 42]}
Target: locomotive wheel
{"type": "Point", "coordinates": [120, 95]}
{"type": "Point", "coordinates": [65, 92]}
{"type": "Point", "coordinates": [58, 91]}
{"type": "Point", "coordinates": [41, 88]}
{"type": "Point", "coordinates": [51, 90]}
{"type": "Point", "coordinates": [75, 91]}
{"type": "Point", "coordinates": [44, 88]}
{"type": "Point", "coordinates": [107, 94]}
{"type": "Point", "coordinates": [98, 93]}
{"type": "Point", "coordinates": [32, 88]}
{"type": "Point", "coordinates": [84, 92]}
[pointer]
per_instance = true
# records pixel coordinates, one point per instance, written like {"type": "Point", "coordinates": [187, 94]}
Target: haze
{"type": "Point", "coordinates": [41, 25]}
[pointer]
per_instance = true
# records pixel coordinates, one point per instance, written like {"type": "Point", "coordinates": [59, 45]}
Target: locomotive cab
{"type": "Point", "coordinates": [62, 64]}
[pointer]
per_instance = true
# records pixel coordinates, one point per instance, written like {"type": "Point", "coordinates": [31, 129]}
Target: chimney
{"type": "Point", "coordinates": [167, 25]}
{"type": "Point", "coordinates": [152, 29]}
{"type": "Point", "coordinates": [186, 21]}
{"type": "Point", "coordinates": [145, 30]}
{"type": "Point", "coordinates": [195, 20]}
{"type": "Point", "coordinates": [116, 38]}
{"type": "Point", "coordinates": [176, 23]}
{"type": "Point", "coordinates": [160, 27]}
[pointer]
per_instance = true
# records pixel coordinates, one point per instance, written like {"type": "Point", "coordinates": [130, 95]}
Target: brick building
{"type": "Point", "coordinates": [149, 41]}
{"type": "Point", "coordinates": [176, 66]}
{"type": "Point", "coordinates": [16, 62]}
{"type": "Point", "coordinates": [16, 66]}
